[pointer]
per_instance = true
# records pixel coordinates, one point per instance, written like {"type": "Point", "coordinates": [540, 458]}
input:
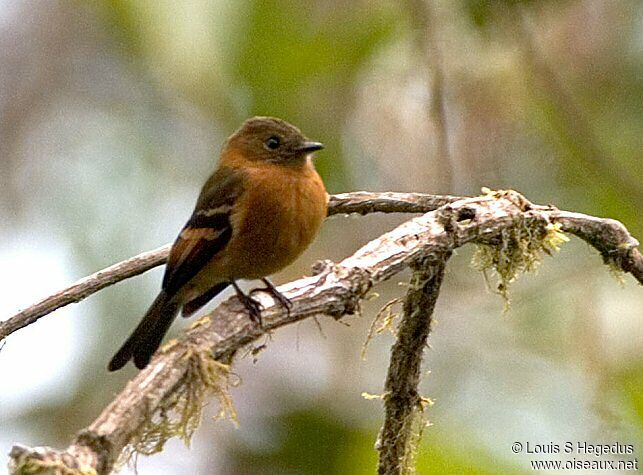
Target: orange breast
{"type": "Point", "coordinates": [281, 213]}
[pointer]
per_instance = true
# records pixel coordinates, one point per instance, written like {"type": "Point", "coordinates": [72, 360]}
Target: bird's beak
{"type": "Point", "coordinates": [308, 147]}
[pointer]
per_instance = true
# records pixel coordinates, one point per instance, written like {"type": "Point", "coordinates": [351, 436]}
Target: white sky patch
{"type": "Point", "coordinates": [36, 362]}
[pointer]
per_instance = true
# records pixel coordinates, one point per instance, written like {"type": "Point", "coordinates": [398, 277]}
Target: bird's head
{"type": "Point", "coordinates": [271, 140]}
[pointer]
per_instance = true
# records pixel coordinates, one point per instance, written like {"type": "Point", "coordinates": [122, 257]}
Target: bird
{"type": "Point", "coordinates": [260, 209]}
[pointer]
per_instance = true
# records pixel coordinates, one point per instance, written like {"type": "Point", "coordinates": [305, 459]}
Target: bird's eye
{"type": "Point", "coordinates": [273, 142]}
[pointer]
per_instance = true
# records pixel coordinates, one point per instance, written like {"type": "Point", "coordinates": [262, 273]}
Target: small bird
{"type": "Point", "coordinates": [260, 209]}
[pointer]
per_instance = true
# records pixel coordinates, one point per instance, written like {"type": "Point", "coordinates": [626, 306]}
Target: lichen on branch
{"type": "Point", "coordinates": [517, 250]}
{"type": "Point", "coordinates": [179, 412]}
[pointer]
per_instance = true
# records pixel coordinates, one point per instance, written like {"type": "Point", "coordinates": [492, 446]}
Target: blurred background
{"type": "Point", "coordinates": [112, 114]}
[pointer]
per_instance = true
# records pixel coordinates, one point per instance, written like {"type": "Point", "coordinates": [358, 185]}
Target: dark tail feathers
{"type": "Point", "coordinates": [147, 336]}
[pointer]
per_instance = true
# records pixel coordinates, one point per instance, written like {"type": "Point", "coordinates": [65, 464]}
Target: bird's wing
{"type": "Point", "coordinates": [208, 230]}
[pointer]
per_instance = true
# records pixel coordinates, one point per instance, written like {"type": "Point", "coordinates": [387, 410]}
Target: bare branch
{"type": "Point", "coordinates": [365, 202]}
{"type": "Point", "coordinates": [610, 237]}
{"type": "Point", "coordinates": [403, 405]}
{"type": "Point", "coordinates": [359, 202]}
{"type": "Point", "coordinates": [336, 290]}
{"type": "Point", "coordinates": [616, 245]}
{"type": "Point", "coordinates": [84, 288]}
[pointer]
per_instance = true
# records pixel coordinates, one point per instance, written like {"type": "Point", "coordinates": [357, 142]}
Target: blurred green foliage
{"type": "Point", "coordinates": [315, 441]}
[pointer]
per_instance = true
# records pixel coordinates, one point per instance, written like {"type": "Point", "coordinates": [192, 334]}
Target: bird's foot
{"type": "Point", "coordinates": [278, 296]}
{"type": "Point", "coordinates": [253, 307]}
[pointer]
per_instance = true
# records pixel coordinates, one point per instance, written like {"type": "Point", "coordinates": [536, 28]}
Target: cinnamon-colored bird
{"type": "Point", "coordinates": [255, 215]}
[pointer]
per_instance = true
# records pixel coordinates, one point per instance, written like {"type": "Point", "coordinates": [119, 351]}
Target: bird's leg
{"type": "Point", "coordinates": [254, 308]}
{"type": "Point", "coordinates": [278, 296]}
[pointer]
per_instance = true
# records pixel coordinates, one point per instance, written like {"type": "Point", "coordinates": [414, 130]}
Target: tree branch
{"type": "Point", "coordinates": [616, 245]}
{"type": "Point", "coordinates": [359, 202]}
{"type": "Point", "coordinates": [185, 372]}
{"type": "Point", "coordinates": [403, 405]}
{"type": "Point", "coordinates": [85, 287]}
{"type": "Point", "coordinates": [610, 237]}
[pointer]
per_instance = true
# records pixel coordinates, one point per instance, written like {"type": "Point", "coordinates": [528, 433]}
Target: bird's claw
{"type": "Point", "coordinates": [253, 306]}
{"type": "Point", "coordinates": [278, 296]}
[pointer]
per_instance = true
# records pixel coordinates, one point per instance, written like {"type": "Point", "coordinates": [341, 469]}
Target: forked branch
{"type": "Point", "coordinates": [186, 366]}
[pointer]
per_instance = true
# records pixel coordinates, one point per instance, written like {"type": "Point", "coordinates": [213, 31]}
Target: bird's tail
{"type": "Point", "coordinates": [147, 336]}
